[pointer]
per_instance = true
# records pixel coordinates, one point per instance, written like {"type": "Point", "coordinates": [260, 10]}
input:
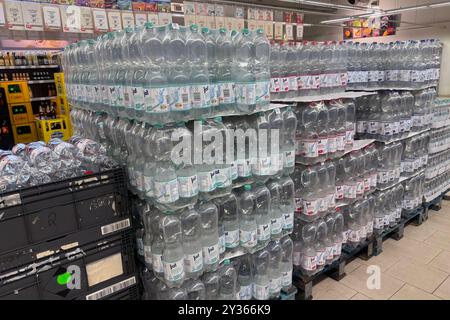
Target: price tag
{"type": "Point", "coordinates": [52, 17]}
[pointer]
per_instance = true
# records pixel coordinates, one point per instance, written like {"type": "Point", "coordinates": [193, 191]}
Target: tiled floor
{"type": "Point", "coordinates": [416, 267]}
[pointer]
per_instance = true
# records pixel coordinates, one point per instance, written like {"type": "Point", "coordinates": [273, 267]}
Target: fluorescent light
{"type": "Point", "coordinates": [406, 9]}
{"type": "Point", "coordinates": [338, 20]}
{"type": "Point", "coordinates": [438, 5]}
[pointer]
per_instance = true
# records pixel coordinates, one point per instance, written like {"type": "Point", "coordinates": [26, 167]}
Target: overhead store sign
{"type": "Point", "coordinates": [52, 17]}
{"type": "Point", "coordinates": [371, 27]}
{"type": "Point", "coordinates": [14, 18]}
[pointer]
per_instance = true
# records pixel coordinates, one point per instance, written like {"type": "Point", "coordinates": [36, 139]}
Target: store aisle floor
{"type": "Point", "coordinates": [416, 267]}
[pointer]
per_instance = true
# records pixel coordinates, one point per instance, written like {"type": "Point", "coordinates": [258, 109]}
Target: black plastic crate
{"type": "Point", "coordinates": [101, 264]}
{"type": "Point", "coordinates": [59, 246]}
{"type": "Point", "coordinates": [43, 213]}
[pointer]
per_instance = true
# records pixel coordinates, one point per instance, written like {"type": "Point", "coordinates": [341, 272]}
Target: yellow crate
{"type": "Point", "coordinates": [21, 113]}
{"type": "Point", "coordinates": [62, 106]}
{"type": "Point", "coordinates": [24, 133]}
{"type": "Point", "coordinates": [53, 128]}
{"type": "Point", "coordinates": [16, 91]}
{"type": "Point", "coordinates": [59, 83]}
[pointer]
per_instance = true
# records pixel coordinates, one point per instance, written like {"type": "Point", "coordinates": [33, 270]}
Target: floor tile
{"type": "Point", "coordinates": [360, 296]}
{"type": "Point", "coordinates": [441, 261]}
{"type": "Point", "coordinates": [329, 289]}
{"type": "Point", "coordinates": [410, 248]}
{"type": "Point", "coordinates": [353, 265]}
{"type": "Point", "coordinates": [439, 239]}
{"type": "Point", "coordinates": [419, 233]}
{"type": "Point", "coordinates": [420, 275]}
{"type": "Point", "coordinates": [408, 292]}
{"type": "Point", "coordinates": [357, 280]}
{"type": "Point", "coordinates": [444, 290]}
{"type": "Point", "coordinates": [384, 260]}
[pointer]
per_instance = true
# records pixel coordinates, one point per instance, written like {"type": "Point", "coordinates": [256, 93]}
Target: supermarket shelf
{"type": "Point", "coordinates": [48, 66]}
{"type": "Point", "coordinates": [240, 251]}
{"type": "Point", "coordinates": [330, 96]}
{"type": "Point", "coordinates": [42, 98]}
{"type": "Point", "coordinates": [402, 179]}
{"type": "Point", "coordinates": [40, 81]}
{"type": "Point", "coordinates": [357, 145]}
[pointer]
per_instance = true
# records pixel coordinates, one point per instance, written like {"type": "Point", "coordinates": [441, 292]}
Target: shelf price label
{"type": "Point", "coordinates": [100, 20]}
{"type": "Point", "coordinates": [127, 19]}
{"type": "Point", "coordinates": [114, 20]}
{"type": "Point", "coordinates": [52, 17]}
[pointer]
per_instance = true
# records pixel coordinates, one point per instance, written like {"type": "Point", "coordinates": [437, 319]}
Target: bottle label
{"type": "Point", "coordinates": [363, 76]}
{"type": "Point", "coordinates": [193, 262]}
{"type": "Point", "coordinates": [246, 93]}
{"type": "Point", "coordinates": [157, 263]}
{"type": "Point", "coordinates": [139, 176]}
{"type": "Point", "coordinates": [232, 238]}
{"type": "Point", "coordinates": [310, 207]}
{"type": "Point", "coordinates": [243, 168]}
{"type": "Point", "coordinates": [128, 96]}
{"type": "Point", "coordinates": [369, 227]}
{"type": "Point", "coordinates": [331, 201]}
{"type": "Point", "coordinates": [263, 233]}
{"type": "Point", "coordinates": [408, 204]}
{"type": "Point", "coordinates": [225, 92]}
{"type": "Point", "coordinates": [148, 186]}
{"type": "Point", "coordinates": [214, 94]}
{"type": "Point", "coordinates": [392, 75]}
{"type": "Point", "coordinates": [179, 98]}
{"type": "Point", "coordinates": [337, 249]}
{"type": "Point", "coordinates": [200, 96]}
{"type": "Point", "coordinates": [374, 127]}
{"type": "Point", "coordinates": [247, 238]}
{"type": "Point", "coordinates": [274, 85]}
{"type": "Point", "coordinates": [188, 186]}
{"type": "Point", "coordinates": [320, 257]}
{"type": "Point", "coordinates": [206, 181]}
{"type": "Point", "coordinates": [296, 258]}
{"type": "Point", "coordinates": [137, 97]}
{"type": "Point", "coordinates": [332, 144]}
{"type": "Point", "coordinates": [379, 222]}
{"type": "Point", "coordinates": [323, 204]}
{"type": "Point", "coordinates": [174, 271]}
{"type": "Point", "coordinates": [167, 191]}
{"type": "Point", "coordinates": [359, 187]}
{"type": "Point", "coordinates": [120, 95]}
{"type": "Point", "coordinates": [309, 263]}
{"type": "Point", "coordinates": [352, 77]}
{"type": "Point", "coordinates": [262, 91]}
{"type": "Point", "coordinates": [274, 285]}
{"type": "Point", "coordinates": [222, 177]}
{"type": "Point", "coordinates": [404, 75]}
{"type": "Point", "coordinates": [155, 100]}
{"type": "Point", "coordinates": [322, 146]}
{"type": "Point", "coordinates": [415, 76]}
{"type": "Point", "coordinates": [373, 76]}
{"type": "Point", "coordinates": [361, 126]}
{"type": "Point", "coordinates": [289, 159]}
{"type": "Point", "coordinates": [354, 236]}
{"type": "Point", "coordinates": [329, 252]}
{"type": "Point", "coordinates": [261, 167]}
{"type": "Point", "coordinates": [381, 75]}
{"type": "Point", "coordinates": [345, 235]}
{"type": "Point", "coordinates": [245, 293]}
{"type": "Point", "coordinates": [276, 225]}
{"type": "Point", "coordinates": [260, 292]}
{"type": "Point", "coordinates": [148, 254]}
{"type": "Point", "coordinates": [284, 84]}
{"type": "Point", "coordinates": [407, 166]}
{"type": "Point", "coordinates": [211, 254]}
{"type": "Point", "coordinates": [276, 163]}
{"type": "Point", "coordinates": [298, 205]}
{"type": "Point", "coordinates": [366, 184]}
{"type": "Point", "coordinates": [339, 195]}
{"type": "Point", "coordinates": [288, 220]}
{"type": "Point", "coordinates": [350, 191]}
{"type": "Point", "coordinates": [293, 85]}
{"type": "Point", "coordinates": [383, 177]}
{"type": "Point", "coordinates": [286, 278]}
{"type": "Point", "coordinates": [309, 148]}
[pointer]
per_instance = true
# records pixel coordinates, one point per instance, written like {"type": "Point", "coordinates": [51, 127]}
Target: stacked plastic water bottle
{"type": "Point", "coordinates": [389, 169]}
{"type": "Point", "coordinates": [414, 191]}
{"type": "Point", "coordinates": [438, 151]}
{"type": "Point", "coordinates": [325, 130]}
{"type": "Point", "coordinates": [387, 208]}
{"type": "Point", "coordinates": [39, 163]}
{"type": "Point", "coordinates": [398, 65]}
{"type": "Point", "coordinates": [307, 68]}
{"type": "Point", "coordinates": [183, 248]}
{"type": "Point", "coordinates": [415, 154]}
{"type": "Point", "coordinates": [169, 73]}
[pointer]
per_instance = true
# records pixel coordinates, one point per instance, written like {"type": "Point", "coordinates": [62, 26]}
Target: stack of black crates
{"type": "Point", "coordinates": [68, 240]}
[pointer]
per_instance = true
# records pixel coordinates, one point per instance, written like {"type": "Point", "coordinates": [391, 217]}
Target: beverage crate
{"type": "Point", "coordinates": [46, 212]}
{"type": "Point", "coordinates": [24, 133]}
{"type": "Point", "coordinates": [21, 113]}
{"type": "Point", "coordinates": [99, 270]}
{"type": "Point", "coordinates": [53, 128]}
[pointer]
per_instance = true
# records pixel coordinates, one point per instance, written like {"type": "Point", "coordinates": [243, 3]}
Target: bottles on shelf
{"type": "Point", "coordinates": [27, 58]}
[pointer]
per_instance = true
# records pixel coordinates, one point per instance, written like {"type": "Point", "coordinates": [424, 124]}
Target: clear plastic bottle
{"type": "Point", "coordinates": [274, 271]}
{"type": "Point", "coordinates": [211, 281]}
{"type": "Point", "coordinates": [262, 211]}
{"type": "Point", "coordinates": [225, 52]}
{"type": "Point", "coordinates": [247, 218]}
{"type": "Point", "coordinates": [228, 211]}
{"type": "Point", "coordinates": [286, 262]}
{"type": "Point", "coordinates": [195, 290]}
{"type": "Point", "coordinates": [262, 69]}
{"type": "Point", "coordinates": [261, 277]}
{"type": "Point", "coordinates": [173, 255]}
{"type": "Point", "coordinates": [276, 213]}
{"type": "Point", "coordinates": [192, 245]}
{"type": "Point", "coordinates": [288, 140]}
{"type": "Point", "coordinates": [320, 244]}
{"type": "Point", "coordinates": [287, 202]}
{"type": "Point", "coordinates": [227, 282]}
{"type": "Point", "coordinates": [245, 277]}
{"type": "Point", "coordinates": [210, 235]}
